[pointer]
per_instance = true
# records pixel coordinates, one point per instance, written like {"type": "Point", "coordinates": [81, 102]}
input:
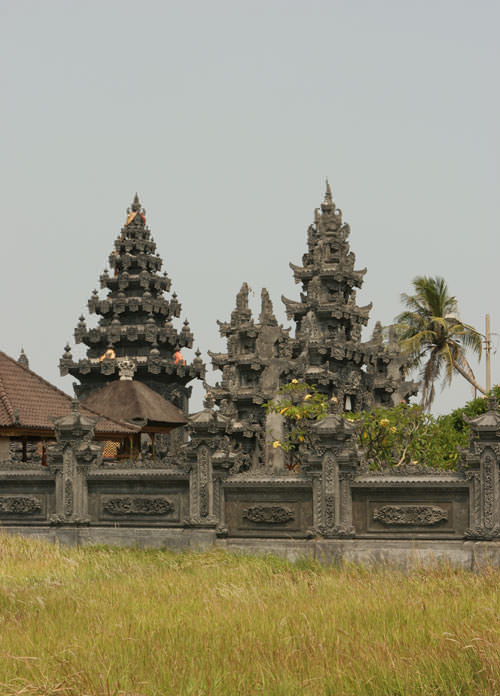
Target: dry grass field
{"type": "Point", "coordinates": [114, 622]}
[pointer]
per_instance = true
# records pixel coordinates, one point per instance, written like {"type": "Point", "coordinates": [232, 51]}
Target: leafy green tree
{"type": "Point", "coordinates": [434, 337]}
{"type": "Point", "coordinates": [407, 435]}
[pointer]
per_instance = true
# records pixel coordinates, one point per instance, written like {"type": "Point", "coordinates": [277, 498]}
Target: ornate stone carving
{"type": "Point", "coordinates": [488, 464]}
{"type": "Point", "coordinates": [20, 505]}
{"type": "Point", "coordinates": [135, 298]}
{"type": "Point", "coordinates": [68, 498]}
{"type": "Point", "coordinates": [273, 514]}
{"type": "Point", "coordinates": [410, 515]}
{"type": "Point", "coordinates": [329, 474]}
{"type": "Point", "coordinates": [482, 533]}
{"type": "Point", "coordinates": [137, 505]}
{"type": "Point", "coordinates": [203, 481]}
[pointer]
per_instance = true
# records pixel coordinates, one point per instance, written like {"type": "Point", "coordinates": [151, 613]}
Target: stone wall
{"type": "Point", "coordinates": [335, 507]}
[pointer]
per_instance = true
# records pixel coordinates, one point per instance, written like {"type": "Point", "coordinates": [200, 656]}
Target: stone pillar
{"type": "Point", "coordinates": [4, 449]}
{"type": "Point", "coordinates": [201, 489]}
{"type": "Point", "coordinates": [480, 464]}
{"type": "Point", "coordinates": [70, 459]}
{"type": "Point", "coordinates": [274, 456]}
{"type": "Point", "coordinates": [336, 438]}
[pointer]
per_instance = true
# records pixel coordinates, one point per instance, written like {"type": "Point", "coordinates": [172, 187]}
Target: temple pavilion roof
{"type": "Point", "coordinates": [29, 404]}
{"type": "Point", "coordinates": [132, 401]}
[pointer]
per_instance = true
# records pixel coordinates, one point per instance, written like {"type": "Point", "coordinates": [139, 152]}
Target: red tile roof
{"type": "Point", "coordinates": [27, 401]}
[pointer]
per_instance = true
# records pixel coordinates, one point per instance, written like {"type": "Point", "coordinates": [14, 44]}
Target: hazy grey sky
{"type": "Point", "coordinates": [226, 116]}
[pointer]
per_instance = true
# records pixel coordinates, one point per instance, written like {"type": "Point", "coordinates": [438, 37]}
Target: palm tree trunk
{"type": "Point", "coordinates": [470, 379]}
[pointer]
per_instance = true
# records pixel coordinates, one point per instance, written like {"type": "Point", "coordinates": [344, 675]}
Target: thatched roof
{"type": "Point", "coordinates": [134, 402]}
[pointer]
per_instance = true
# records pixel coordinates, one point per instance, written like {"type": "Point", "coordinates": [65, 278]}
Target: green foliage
{"type": "Point", "coordinates": [406, 434]}
{"type": "Point", "coordinates": [301, 405]}
{"type": "Point", "coordinates": [433, 336]}
{"type": "Point", "coordinates": [472, 409]}
{"type": "Point", "coordinates": [396, 436]}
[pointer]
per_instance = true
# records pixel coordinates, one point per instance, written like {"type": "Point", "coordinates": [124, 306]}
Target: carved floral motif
{"type": "Point", "coordinates": [413, 515]}
{"type": "Point", "coordinates": [22, 505]}
{"type": "Point", "coordinates": [68, 498]}
{"type": "Point", "coordinates": [136, 505]}
{"type": "Point", "coordinates": [273, 514]}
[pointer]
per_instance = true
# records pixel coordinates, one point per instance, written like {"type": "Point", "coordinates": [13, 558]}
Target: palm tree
{"type": "Point", "coordinates": [434, 337]}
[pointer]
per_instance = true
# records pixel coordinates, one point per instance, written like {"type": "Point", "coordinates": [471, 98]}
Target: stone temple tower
{"type": "Point", "coordinates": [327, 348]}
{"type": "Point", "coordinates": [136, 321]}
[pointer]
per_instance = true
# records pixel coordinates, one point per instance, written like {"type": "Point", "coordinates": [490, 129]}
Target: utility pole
{"type": "Point", "coordinates": [487, 350]}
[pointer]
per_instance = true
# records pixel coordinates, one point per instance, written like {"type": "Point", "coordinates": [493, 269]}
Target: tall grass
{"type": "Point", "coordinates": [102, 622]}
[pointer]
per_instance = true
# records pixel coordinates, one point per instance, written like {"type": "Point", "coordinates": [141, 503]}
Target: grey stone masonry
{"type": "Point", "coordinates": [333, 507]}
{"type": "Point", "coordinates": [135, 321]}
{"type": "Point", "coordinates": [480, 462]}
{"type": "Point", "coordinates": [327, 349]}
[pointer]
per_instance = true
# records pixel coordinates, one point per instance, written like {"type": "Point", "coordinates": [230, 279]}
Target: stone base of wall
{"type": "Point", "coordinates": [402, 554]}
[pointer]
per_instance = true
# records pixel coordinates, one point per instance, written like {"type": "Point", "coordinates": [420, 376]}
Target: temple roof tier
{"type": "Point", "coordinates": [140, 261]}
{"type": "Point", "coordinates": [144, 279]}
{"type": "Point", "coordinates": [159, 366]}
{"type": "Point", "coordinates": [134, 320]}
{"type": "Point", "coordinates": [338, 271]}
{"type": "Point", "coordinates": [121, 304]}
{"type": "Point", "coordinates": [129, 334]}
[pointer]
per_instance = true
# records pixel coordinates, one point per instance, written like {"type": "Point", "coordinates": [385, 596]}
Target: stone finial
{"type": "Point", "coordinates": [266, 312]}
{"type": "Point", "coordinates": [23, 359]}
{"type": "Point", "coordinates": [333, 405]}
{"type": "Point", "coordinates": [197, 360]}
{"type": "Point", "coordinates": [328, 193]}
{"type": "Point", "coordinates": [242, 312]}
{"type": "Point", "coordinates": [126, 369]}
{"type": "Point", "coordinates": [208, 401]}
{"type": "Point", "coordinates": [136, 204]}
{"type": "Point", "coordinates": [377, 332]}
{"type": "Point", "coordinates": [242, 297]}
{"type": "Point", "coordinates": [492, 403]}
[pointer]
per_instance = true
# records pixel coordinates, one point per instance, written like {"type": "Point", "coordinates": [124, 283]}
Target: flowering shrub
{"type": "Point", "coordinates": [406, 434]}
{"type": "Point", "coordinates": [394, 436]}
{"type": "Point", "coordinates": [301, 405]}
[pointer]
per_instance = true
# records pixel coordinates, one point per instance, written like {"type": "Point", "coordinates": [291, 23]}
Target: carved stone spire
{"type": "Point", "coordinates": [23, 359]}
{"type": "Point", "coordinates": [328, 349]}
{"type": "Point", "coordinates": [328, 194]}
{"type": "Point", "coordinates": [242, 313]}
{"type": "Point", "coordinates": [135, 321]}
{"type": "Point", "coordinates": [136, 204]}
{"type": "Point", "coordinates": [266, 311]}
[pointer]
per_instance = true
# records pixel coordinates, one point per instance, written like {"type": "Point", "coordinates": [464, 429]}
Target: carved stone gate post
{"type": "Point", "coordinates": [339, 462]}
{"type": "Point", "coordinates": [70, 459]}
{"type": "Point", "coordinates": [481, 466]}
{"type": "Point", "coordinates": [205, 430]}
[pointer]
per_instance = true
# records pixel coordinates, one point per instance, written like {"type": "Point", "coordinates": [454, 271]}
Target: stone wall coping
{"type": "Point", "coordinates": [271, 482]}
{"type": "Point", "coordinates": [113, 474]}
{"type": "Point", "coordinates": [33, 474]}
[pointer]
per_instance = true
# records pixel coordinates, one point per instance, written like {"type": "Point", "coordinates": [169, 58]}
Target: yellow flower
{"type": "Point", "coordinates": [297, 416]}
{"type": "Point", "coordinates": [301, 438]}
{"type": "Point", "coordinates": [393, 429]}
{"type": "Point", "coordinates": [307, 396]}
{"type": "Point", "coordinates": [415, 461]}
{"type": "Point", "coordinates": [276, 444]}
{"type": "Point", "coordinates": [295, 381]}
{"type": "Point", "coordinates": [384, 422]}
{"type": "Point", "coordinates": [284, 410]}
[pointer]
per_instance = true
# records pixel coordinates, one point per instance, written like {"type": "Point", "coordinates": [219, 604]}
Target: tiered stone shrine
{"type": "Point", "coordinates": [135, 321]}
{"type": "Point", "coordinates": [327, 349]}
